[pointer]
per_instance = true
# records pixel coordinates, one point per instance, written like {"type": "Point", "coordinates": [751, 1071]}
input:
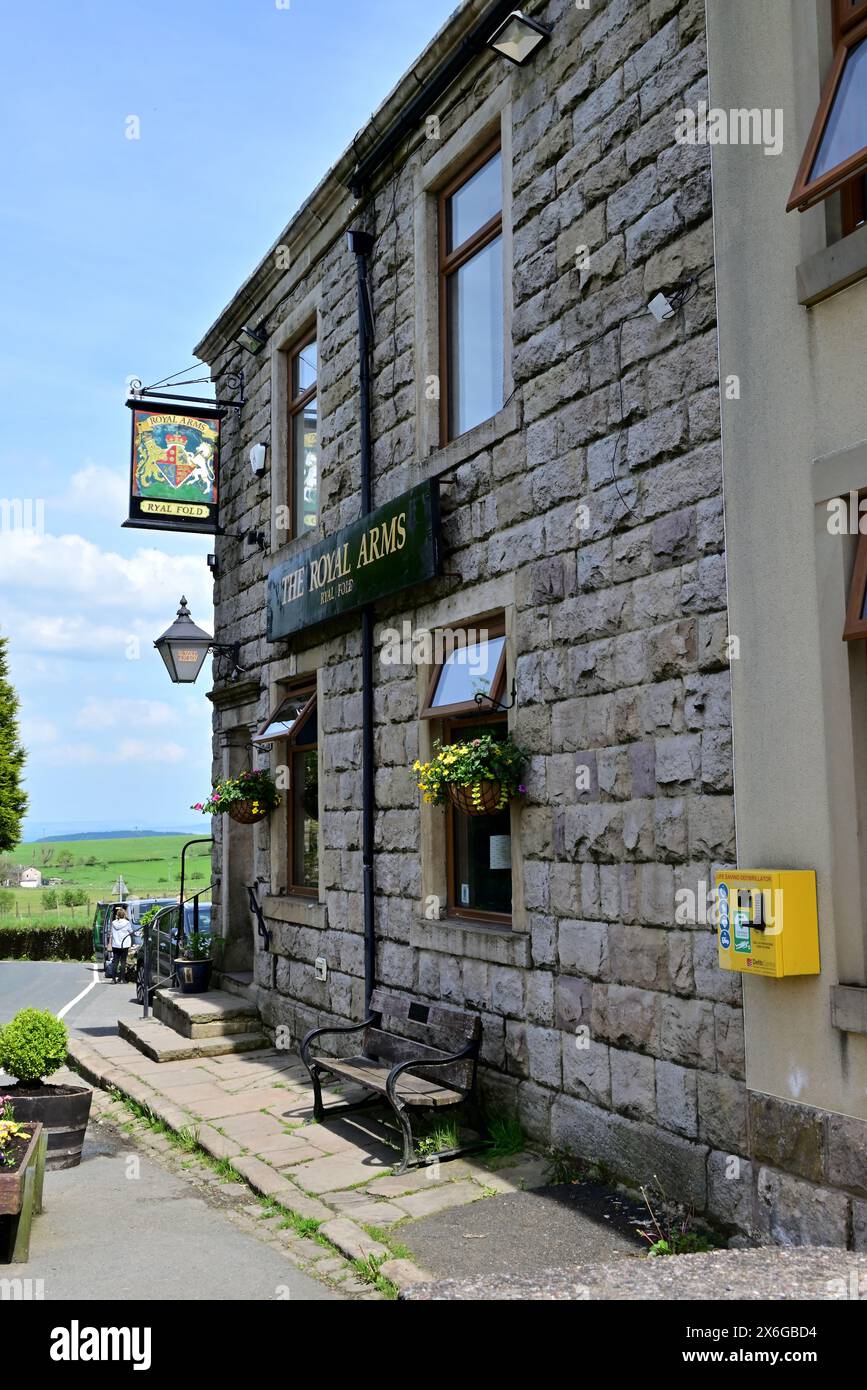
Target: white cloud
{"type": "Point", "coordinates": [129, 714]}
{"type": "Point", "coordinates": [35, 732]}
{"type": "Point", "coordinates": [95, 490]}
{"type": "Point", "coordinates": [146, 752]}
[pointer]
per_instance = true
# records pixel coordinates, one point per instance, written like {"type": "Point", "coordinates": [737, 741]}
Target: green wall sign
{"type": "Point", "coordinates": [391, 548]}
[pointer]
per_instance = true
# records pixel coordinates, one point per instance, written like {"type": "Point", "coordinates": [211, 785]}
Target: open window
{"type": "Point", "coordinates": [474, 667]}
{"type": "Point", "coordinates": [294, 722]}
{"type": "Point", "coordinates": [836, 153]}
{"type": "Point", "coordinates": [855, 628]}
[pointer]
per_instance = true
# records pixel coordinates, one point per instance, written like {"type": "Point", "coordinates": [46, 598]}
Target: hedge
{"type": "Point", "coordinates": [45, 943]}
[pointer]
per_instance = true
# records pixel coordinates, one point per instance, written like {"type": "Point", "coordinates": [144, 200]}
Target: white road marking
{"type": "Point", "coordinates": [73, 1002]}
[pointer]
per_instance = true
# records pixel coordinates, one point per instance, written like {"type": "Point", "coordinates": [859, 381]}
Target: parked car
{"type": "Point", "coordinates": [163, 946]}
{"type": "Point", "coordinates": [136, 908]}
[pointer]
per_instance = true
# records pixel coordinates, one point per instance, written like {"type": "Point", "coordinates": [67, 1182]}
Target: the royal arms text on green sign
{"type": "Point", "coordinates": [389, 549]}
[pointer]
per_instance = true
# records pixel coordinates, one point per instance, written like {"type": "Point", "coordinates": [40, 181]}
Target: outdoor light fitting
{"type": "Point", "coordinates": [518, 37]}
{"type": "Point", "coordinates": [253, 339]}
{"type": "Point", "coordinates": [257, 458]}
{"type": "Point", "coordinates": [184, 646]}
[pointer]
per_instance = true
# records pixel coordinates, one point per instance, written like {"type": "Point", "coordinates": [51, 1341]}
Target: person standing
{"type": "Point", "coordinates": [121, 940]}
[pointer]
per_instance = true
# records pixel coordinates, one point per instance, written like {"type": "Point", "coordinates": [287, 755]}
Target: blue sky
{"type": "Point", "coordinates": [116, 255]}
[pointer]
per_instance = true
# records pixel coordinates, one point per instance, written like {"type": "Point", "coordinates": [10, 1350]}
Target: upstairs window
{"type": "Point", "coordinates": [470, 216]}
{"type": "Point", "coordinates": [303, 437]}
{"type": "Point", "coordinates": [836, 153]}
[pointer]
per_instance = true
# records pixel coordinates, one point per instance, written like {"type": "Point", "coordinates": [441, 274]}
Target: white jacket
{"type": "Point", "coordinates": [121, 932]}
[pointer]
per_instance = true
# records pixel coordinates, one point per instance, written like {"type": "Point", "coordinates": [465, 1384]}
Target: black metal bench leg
{"type": "Point", "coordinates": [318, 1107]}
{"type": "Point", "coordinates": [408, 1159]}
{"type": "Point", "coordinates": [477, 1114]}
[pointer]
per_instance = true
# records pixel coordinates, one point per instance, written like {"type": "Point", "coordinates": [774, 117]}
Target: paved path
{"type": "Point", "coordinates": [255, 1109]}
{"type": "Point", "coordinates": [125, 1225]}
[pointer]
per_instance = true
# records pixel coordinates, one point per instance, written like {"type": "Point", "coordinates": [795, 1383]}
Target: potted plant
{"type": "Point", "coordinates": [194, 963]}
{"type": "Point", "coordinates": [249, 797]}
{"type": "Point", "coordinates": [32, 1047]}
{"type": "Point", "coordinates": [22, 1168]}
{"type": "Point", "coordinates": [480, 777]}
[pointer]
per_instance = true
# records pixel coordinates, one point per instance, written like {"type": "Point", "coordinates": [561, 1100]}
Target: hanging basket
{"type": "Point", "coordinates": [243, 813]}
{"type": "Point", "coordinates": [488, 796]}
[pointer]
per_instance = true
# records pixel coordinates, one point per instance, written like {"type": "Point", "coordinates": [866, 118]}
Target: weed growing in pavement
{"type": "Point", "coordinates": [367, 1271]}
{"type": "Point", "coordinates": [507, 1136]}
{"type": "Point", "coordinates": [670, 1232]}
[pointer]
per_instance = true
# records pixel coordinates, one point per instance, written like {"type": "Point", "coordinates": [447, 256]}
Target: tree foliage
{"type": "Point", "coordinates": [13, 800]}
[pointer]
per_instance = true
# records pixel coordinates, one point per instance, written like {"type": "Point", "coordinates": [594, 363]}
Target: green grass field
{"type": "Point", "coordinates": [150, 865]}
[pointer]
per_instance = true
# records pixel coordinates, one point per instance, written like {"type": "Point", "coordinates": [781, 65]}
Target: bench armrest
{"type": "Point", "coordinates": [335, 1028]}
{"type": "Point", "coordinates": [471, 1050]}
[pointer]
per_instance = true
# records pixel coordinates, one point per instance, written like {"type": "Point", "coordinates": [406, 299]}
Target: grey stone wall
{"type": "Point", "coordinates": [619, 623]}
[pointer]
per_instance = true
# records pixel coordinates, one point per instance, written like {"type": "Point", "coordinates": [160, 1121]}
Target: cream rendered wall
{"type": "Point", "coordinates": [803, 397]}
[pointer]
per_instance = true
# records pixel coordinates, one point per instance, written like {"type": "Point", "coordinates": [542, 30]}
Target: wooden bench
{"type": "Point", "coordinates": [425, 1059]}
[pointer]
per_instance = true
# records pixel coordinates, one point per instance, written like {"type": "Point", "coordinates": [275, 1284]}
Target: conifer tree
{"type": "Point", "coordinates": [13, 799]}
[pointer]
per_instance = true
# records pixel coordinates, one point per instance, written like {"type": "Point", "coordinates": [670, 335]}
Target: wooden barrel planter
{"type": "Point", "coordinates": [21, 1199]}
{"type": "Point", "coordinates": [242, 812]}
{"type": "Point", "coordinates": [489, 797]}
{"type": "Point", "coordinates": [63, 1112]}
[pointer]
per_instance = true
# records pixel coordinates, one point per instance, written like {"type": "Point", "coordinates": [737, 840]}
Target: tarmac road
{"type": "Point", "coordinates": [115, 1229]}
{"type": "Point", "coordinates": [55, 985]}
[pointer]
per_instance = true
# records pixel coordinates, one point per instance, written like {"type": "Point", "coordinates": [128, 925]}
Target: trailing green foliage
{"type": "Point", "coordinates": [33, 1045]}
{"type": "Point", "coordinates": [13, 800]}
{"type": "Point", "coordinates": [45, 942]}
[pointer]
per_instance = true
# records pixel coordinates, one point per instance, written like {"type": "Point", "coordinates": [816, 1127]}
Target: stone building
{"type": "Point", "coordinates": [553, 447]}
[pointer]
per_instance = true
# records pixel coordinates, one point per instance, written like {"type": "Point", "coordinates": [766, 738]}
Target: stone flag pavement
{"type": "Point", "coordinates": [255, 1109]}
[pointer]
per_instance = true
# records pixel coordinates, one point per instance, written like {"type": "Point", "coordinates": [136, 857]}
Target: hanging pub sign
{"type": "Point", "coordinates": [174, 466]}
{"type": "Point", "coordinates": [391, 548]}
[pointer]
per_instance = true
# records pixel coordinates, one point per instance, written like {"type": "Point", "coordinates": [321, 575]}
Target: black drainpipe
{"type": "Point", "coordinates": [361, 245]}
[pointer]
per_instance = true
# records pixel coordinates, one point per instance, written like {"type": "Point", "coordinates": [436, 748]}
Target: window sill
{"type": "Point", "coordinates": [304, 912]}
{"type": "Point", "coordinates": [488, 941]}
{"type": "Point", "coordinates": [475, 441]}
{"type": "Point", "coordinates": [833, 269]}
{"type": "Point", "coordinates": [849, 1008]}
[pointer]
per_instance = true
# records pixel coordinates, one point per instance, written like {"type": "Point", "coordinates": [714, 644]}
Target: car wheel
{"type": "Point", "coordinates": [139, 986]}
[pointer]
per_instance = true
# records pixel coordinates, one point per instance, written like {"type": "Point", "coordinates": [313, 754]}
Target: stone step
{"type": "Point", "coordinates": [213, 1014]}
{"type": "Point", "coordinates": [239, 983]}
{"type": "Point", "coordinates": [162, 1044]}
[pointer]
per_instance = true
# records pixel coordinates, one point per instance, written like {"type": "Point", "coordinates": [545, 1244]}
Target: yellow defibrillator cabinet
{"type": "Point", "coordinates": [768, 922]}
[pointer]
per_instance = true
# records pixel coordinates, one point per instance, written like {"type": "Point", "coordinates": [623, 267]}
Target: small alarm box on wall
{"type": "Point", "coordinates": [768, 921]}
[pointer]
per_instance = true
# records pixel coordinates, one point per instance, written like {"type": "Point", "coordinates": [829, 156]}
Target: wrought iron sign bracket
{"type": "Point", "coordinates": [234, 382]}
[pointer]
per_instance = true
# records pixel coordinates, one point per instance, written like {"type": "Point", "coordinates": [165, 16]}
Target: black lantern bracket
{"type": "Point", "coordinates": [232, 650]}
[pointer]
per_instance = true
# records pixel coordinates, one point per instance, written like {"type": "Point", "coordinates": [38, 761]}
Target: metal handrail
{"type": "Point", "coordinates": [146, 930]}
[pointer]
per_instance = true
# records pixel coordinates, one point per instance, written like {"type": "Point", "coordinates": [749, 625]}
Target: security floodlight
{"type": "Point", "coordinates": [518, 37]}
{"type": "Point", "coordinates": [253, 339]}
